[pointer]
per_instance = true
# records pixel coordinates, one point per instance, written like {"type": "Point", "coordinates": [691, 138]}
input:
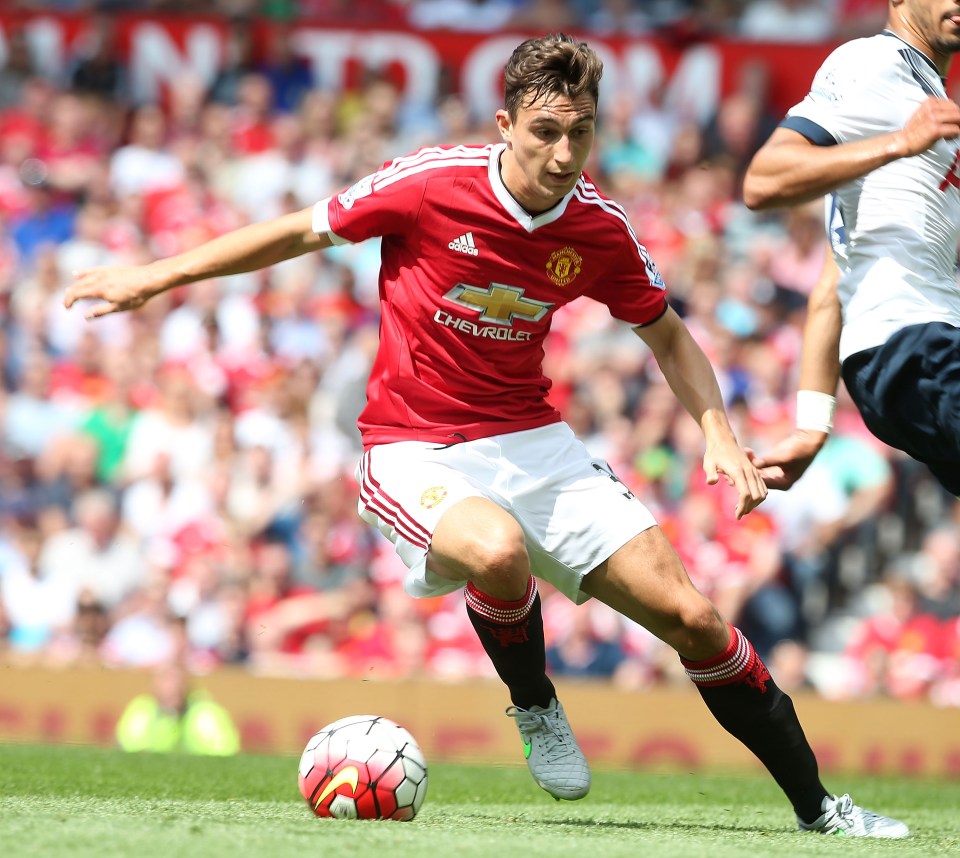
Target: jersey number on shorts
{"type": "Point", "coordinates": [606, 469]}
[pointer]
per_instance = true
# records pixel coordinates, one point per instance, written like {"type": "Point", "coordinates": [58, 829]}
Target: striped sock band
{"type": "Point", "coordinates": [501, 611]}
{"type": "Point", "coordinates": [735, 664]}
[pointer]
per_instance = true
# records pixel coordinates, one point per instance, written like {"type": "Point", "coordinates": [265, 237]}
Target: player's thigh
{"type": "Point", "coordinates": [573, 509]}
{"type": "Point", "coordinates": [477, 540]}
{"type": "Point", "coordinates": [406, 489]}
{"type": "Point", "coordinates": [646, 582]}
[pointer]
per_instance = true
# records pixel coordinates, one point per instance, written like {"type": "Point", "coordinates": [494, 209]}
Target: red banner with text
{"type": "Point", "coordinates": [688, 78]}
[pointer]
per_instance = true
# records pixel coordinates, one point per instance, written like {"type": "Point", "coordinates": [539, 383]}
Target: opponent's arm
{"type": "Point", "coordinates": [819, 377]}
{"type": "Point", "coordinates": [249, 248]}
{"type": "Point", "coordinates": [691, 378]}
{"type": "Point", "coordinates": [820, 358]}
{"type": "Point", "coordinates": [788, 169]}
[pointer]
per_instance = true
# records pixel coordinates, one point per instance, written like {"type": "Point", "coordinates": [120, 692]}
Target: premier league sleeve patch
{"type": "Point", "coordinates": [363, 188]}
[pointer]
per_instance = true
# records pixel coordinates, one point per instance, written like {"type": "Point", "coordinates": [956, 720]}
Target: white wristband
{"type": "Point", "coordinates": [815, 410]}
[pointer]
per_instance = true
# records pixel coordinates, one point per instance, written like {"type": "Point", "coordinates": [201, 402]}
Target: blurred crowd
{"type": "Point", "coordinates": [178, 482]}
{"type": "Point", "coordinates": [774, 20]}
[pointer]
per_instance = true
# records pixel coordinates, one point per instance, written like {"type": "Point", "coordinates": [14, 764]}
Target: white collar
{"type": "Point", "coordinates": [528, 221]}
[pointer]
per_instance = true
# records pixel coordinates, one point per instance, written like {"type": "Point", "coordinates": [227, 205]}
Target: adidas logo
{"type": "Point", "coordinates": [464, 244]}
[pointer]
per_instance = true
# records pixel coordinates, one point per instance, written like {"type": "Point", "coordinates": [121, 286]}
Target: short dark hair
{"type": "Point", "coordinates": [549, 66]}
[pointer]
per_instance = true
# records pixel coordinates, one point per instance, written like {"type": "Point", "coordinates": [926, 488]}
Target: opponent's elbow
{"type": "Point", "coordinates": [759, 193]}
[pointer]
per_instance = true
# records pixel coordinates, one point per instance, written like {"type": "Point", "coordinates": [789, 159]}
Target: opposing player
{"type": "Point", "coordinates": [879, 135]}
{"type": "Point", "coordinates": [467, 468]}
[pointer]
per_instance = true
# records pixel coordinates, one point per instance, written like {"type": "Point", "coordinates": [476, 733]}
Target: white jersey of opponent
{"type": "Point", "coordinates": [894, 231]}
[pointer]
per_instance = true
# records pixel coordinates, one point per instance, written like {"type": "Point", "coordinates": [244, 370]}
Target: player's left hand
{"type": "Point", "coordinates": [729, 460]}
{"type": "Point", "coordinates": [119, 288]}
{"type": "Point", "coordinates": [782, 466]}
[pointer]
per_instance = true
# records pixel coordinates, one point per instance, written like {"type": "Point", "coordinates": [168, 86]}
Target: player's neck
{"type": "Point", "coordinates": [527, 202]}
{"type": "Point", "coordinates": [903, 30]}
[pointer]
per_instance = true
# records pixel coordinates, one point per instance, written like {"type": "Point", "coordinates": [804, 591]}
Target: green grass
{"type": "Point", "coordinates": [87, 802]}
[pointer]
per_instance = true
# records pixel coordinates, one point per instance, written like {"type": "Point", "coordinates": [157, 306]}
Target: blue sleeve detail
{"type": "Point", "coordinates": [813, 132]}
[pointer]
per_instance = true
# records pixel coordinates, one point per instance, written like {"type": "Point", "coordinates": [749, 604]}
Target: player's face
{"type": "Point", "coordinates": [930, 24]}
{"type": "Point", "coordinates": [548, 143]}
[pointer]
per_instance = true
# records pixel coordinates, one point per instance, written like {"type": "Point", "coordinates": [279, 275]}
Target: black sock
{"type": "Point", "coordinates": [738, 690]}
{"type": "Point", "coordinates": [512, 635]}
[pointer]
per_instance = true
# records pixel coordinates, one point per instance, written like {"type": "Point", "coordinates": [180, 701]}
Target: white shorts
{"type": "Point", "coordinates": [574, 512]}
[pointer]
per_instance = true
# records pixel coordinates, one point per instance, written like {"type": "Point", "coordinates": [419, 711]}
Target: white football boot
{"type": "Point", "coordinates": [842, 817]}
{"type": "Point", "coordinates": [553, 755]}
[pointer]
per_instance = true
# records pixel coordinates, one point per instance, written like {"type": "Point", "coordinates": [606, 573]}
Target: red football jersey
{"type": "Point", "coordinates": [469, 283]}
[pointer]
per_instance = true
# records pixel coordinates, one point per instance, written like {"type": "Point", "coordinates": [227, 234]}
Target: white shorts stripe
{"type": "Point", "coordinates": [387, 509]}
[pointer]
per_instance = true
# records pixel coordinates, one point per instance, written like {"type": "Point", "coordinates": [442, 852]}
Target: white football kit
{"type": "Point", "coordinates": [574, 512]}
{"type": "Point", "coordinates": [894, 231]}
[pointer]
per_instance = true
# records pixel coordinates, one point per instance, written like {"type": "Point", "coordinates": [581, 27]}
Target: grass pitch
{"type": "Point", "coordinates": [96, 803]}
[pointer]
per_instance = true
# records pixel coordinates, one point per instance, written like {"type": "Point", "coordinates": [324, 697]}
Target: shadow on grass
{"type": "Point", "coordinates": [614, 825]}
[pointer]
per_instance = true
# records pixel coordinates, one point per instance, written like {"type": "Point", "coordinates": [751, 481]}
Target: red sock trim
{"type": "Point", "coordinates": [738, 661]}
{"type": "Point", "coordinates": [505, 612]}
{"type": "Point", "coordinates": [714, 660]}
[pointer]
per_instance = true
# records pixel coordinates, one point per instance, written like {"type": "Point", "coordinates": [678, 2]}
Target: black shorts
{"type": "Point", "coordinates": [908, 393]}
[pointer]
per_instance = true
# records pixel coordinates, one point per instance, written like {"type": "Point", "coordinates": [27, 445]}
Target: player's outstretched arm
{"type": "Point", "coordinates": [782, 466]}
{"type": "Point", "coordinates": [691, 378]}
{"type": "Point", "coordinates": [788, 169]}
{"type": "Point", "coordinates": [249, 248]}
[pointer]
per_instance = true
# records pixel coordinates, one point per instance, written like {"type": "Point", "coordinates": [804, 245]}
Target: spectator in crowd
{"type": "Point", "coordinates": [19, 66]}
{"type": "Point", "coordinates": [36, 606]}
{"type": "Point", "coordinates": [627, 17]}
{"type": "Point", "coordinates": [47, 218]}
{"type": "Point", "coordinates": [857, 18]}
{"type": "Point", "coordinates": [175, 718]}
{"type": "Point", "coordinates": [96, 68]}
{"type": "Point", "coordinates": [898, 650]}
{"type": "Point", "coordinates": [290, 623]}
{"type": "Point", "coordinates": [787, 21]}
{"type": "Point", "coordinates": [32, 416]}
{"type": "Point", "coordinates": [80, 642]}
{"type": "Point", "coordinates": [144, 163]}
{"type": "Point", "coordinates": [470, 15]}
{"type": "Point", "coordinates": [96, 554]}
{"type": "Point", "coordinates": [937, 572]}
{"type": "Point", "coordinates": [239, 61]}
{"type": "Point", "coordinates": [290, 75]}
{"type": "Point", "coordinates": [588, 644]}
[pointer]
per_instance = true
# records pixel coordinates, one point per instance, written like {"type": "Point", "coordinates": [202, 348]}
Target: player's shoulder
{"type": "Point", "coordinates": [869, 52]}
{"type": "Point", "coordinates": [869, 68]}
{"type": "Point", "coordinates": [594, 202]}
{"type": "Point", "coordinates": [434, 162]}
{"type": "Point", "coordinates": [606, 214]}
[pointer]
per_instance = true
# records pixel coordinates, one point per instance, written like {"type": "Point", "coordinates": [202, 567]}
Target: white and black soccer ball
{"type": "Point", "coordinates": [363, 767]}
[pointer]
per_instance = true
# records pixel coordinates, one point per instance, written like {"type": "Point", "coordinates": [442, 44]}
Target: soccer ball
{"type": "Point", "coordinates": [363, 767]}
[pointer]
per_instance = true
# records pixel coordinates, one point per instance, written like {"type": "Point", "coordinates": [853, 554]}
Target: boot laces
{"type": "Point", "coordinates": [548, 726]}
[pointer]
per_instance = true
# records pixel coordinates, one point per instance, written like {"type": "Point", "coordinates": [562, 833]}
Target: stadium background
{"type": "Point", "coordinates": [178, 483]}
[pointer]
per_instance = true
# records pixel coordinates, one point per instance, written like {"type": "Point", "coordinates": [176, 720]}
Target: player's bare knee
{"type": "Point", "coordinates": [703, 631]}
{"type": "Point", "coordinates": [498, 562]}
{"type": "Point", "coordinates": [499, 558]}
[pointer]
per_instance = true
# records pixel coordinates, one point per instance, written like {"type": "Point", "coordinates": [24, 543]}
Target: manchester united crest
{"type": "Point", "coordinates": [564, 265]}
{"type": "Point", "coordinates": [432, 497]}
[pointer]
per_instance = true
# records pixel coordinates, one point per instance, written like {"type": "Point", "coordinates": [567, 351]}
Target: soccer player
{"type": "Point", "coordinates": [467, 467]}
{"type": "Point", "coordinates": [879, 135]}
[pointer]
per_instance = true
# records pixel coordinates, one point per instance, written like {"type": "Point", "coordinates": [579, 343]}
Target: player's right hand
{"type": "Point", "coordinates": [935, 119]}
{"type": "Point", "coordinates": [789, 459]}
{"type": "Point", "coordinates": [119, 288]}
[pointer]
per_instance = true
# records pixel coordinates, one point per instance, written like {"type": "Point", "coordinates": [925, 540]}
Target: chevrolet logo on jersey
{"type": "Point", "coordinates": [498, 303]}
